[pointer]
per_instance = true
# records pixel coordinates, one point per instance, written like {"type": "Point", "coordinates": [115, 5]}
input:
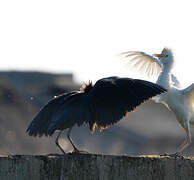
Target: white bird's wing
{"type": "Point", "coordinates": [143, 62]}
{"type": "Point", "coordinates": [175, 81]}
{"type": "Point", "coordinates": [147, 64]}
{"type": "Point", "coordinates": [189, 94]}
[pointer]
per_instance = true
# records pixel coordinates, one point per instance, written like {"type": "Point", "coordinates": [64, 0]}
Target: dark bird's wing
{"type": "Point", "coordinates": [42, 120]}
{"type": "Point", "coordinates": [73, 111]}
{"type": "Point", "coordinates": [102, 105]}
{"type": "Point", "coordinates": [112, 98]}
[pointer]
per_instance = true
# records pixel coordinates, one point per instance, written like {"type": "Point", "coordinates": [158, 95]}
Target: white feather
{"type": "Point", "coordinates": [135, 57]}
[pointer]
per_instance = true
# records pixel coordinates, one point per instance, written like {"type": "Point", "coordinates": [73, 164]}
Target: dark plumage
{"type": "Point", "coordinates": [100, 105]}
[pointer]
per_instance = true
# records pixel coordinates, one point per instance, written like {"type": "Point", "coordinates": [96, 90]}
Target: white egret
{"type": "Point", "coordinates": [180, 101]}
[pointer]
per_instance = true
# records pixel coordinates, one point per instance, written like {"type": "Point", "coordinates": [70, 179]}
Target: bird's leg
{"type": "Point", "coordinates": [187, 140]}
{"type": "Point", "coordinates": [70, 140]}
{"type": "Point", "coordinates": [76, 150]}
{"type": "Point", "coordinates": [185, 144]}
{"type": "Point", "coordinates": [57, 143]}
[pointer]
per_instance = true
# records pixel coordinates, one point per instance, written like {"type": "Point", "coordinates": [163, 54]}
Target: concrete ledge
{"type": "Point", "coordinates": [95, 167]}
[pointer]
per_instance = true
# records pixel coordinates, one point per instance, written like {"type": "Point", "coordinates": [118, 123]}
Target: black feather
{"type": "Point", "coordinates": [42, 120]}
{"type": "Point", "coordinates": [112, 98]}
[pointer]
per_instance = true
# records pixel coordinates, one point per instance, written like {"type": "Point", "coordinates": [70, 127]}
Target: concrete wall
{"type": "Point", "coordinates": [95, 167]}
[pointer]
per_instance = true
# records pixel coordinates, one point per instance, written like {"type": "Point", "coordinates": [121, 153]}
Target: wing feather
{"type": "Point", "coordinates": [73, 112]}
{"type": "Point", "coordinates": [58, 114]}
{"type": "Point", "coordinates": [136, 61]}
{"type": "Point", "coordinates": [148, 60]}
{"type": "Point", "coordinates": [112, 98]}
{"type": "Point", "coordinates": [41, 121]}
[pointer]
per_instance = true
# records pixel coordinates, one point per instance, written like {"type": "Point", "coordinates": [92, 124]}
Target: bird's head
{"type": "Point", "coordinates": [166, 57]}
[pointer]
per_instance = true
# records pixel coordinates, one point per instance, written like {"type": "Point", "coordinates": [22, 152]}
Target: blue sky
{"type": "Point", "coordinates": [85, 37]}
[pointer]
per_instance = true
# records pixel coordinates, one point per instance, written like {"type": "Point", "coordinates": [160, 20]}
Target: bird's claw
{"type": "Point", "coordinates": [79, 151]}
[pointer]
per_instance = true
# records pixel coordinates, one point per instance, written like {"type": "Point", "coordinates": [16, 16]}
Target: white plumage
{"type": "Point", "coordinates": [180, 101]}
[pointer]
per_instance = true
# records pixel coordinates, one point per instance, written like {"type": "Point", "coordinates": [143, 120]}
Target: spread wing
{"type": "Point", "coordinates": [147, 64]}
{"type": "Point", "coordinates": [61, 112]}
{"type": "Point", "coordinates": [143, 62]}
{"type": "Point", "coordinates": [112, 98]}
{"type": "Point", "coordinates": [103, 104]}
{"type": "Point", "coordinates": [74, 111]}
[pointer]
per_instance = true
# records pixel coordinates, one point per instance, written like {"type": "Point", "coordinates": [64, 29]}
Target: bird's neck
{"type": "Point", "coordinates": [165, 76]}
{"type": "Point", "coordinates": [167, 68]}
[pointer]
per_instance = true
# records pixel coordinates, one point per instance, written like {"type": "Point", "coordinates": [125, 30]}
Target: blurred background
{"type": "Point", "coordinates": [50, 47]}
{"type": "Point", "coordinates": [151, 129]}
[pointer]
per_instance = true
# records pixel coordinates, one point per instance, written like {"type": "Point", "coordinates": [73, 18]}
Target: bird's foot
{"type": "Point", "coordinates": [79, 151]}
{"type": "Point", "coordinates": [165, 154]}
{"type": "Point", "coordinates": [175, 155]}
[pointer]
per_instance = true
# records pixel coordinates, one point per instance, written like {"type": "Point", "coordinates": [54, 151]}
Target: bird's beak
{"type": "Point", "coordinates": [158, 55]}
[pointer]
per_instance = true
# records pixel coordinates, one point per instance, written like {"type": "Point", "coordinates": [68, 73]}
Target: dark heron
{"type": "Point", "coordinates": [101, 105]}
